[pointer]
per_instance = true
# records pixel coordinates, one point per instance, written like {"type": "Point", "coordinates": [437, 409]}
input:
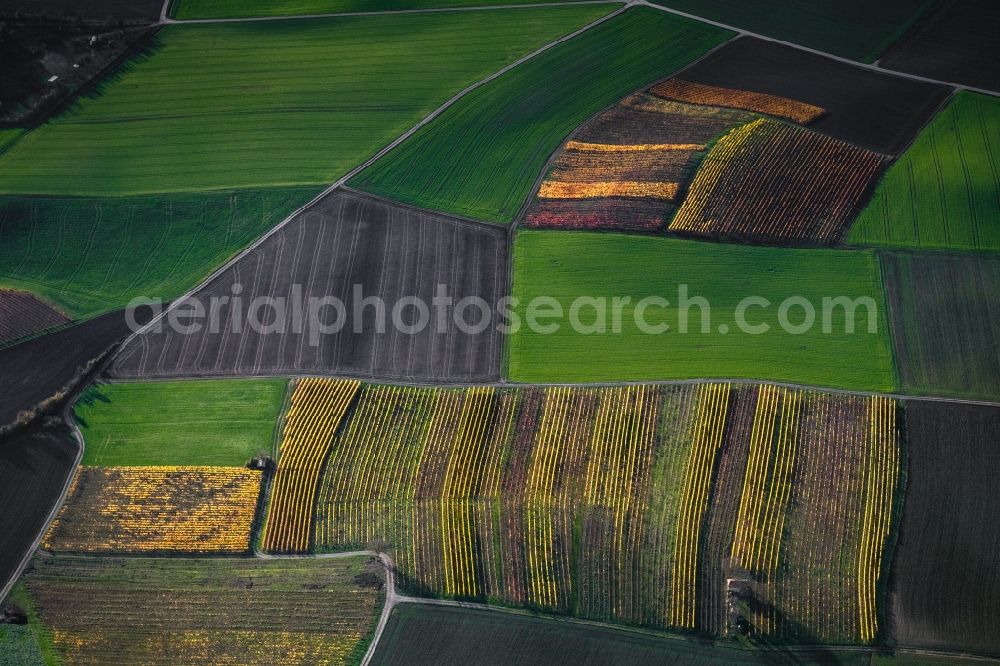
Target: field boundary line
{"type": "Point", "coordinates": [871, 67]}
{"type": "Point", "coordinates": [498, 229]}
{"type": "Point", "coordinates": [890, 326]}
{"type": "Point", "coordinates": [20, 137]}
{"type": "Point", "coordinates": [391, 599]}
{"type": "Point", "coordinates": [166, 20]}
{"type": "Point", "coordinates": [353, 172]}
{"type": "Point", "coordinates": [146, 35]}
{"type": "Point", "coordinates": [503, 383]}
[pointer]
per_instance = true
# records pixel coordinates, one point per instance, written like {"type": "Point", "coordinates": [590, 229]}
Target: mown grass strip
{"type": "Point", "coordinates": [481, 157]}
{"type": "Point", "coordinates": [196, 422]}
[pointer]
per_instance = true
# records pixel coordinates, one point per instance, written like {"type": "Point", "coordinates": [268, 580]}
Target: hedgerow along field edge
{"type": "Point", "coordinates": [312, 99]}
{"type": "Point", "coordinates": [196, 422]}
{"type": "Point", "coordinates": [566, 265]}
{"type": "Point", "coordinates": [481, 157]}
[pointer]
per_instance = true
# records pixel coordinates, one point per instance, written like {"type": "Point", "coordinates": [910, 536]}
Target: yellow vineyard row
{"type": "Point", "coordinates": [318, 405]}
{"type": "Point", "coordinates": [554, 189]}
{"type": "Point", "coordinates": [706, 438]}
{"type": "Point", "coordinates": [880, 474]}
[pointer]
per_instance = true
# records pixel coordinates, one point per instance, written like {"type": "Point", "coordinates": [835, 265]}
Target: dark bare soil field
{"type": "Point", "coordinates": [22, 314]}
{"type": "Point", "coordinates": [110, 11]}
{"type": "Point", "coordinates": [945, 592]}
{"type": "Point", "coordinates": [34, 465]}
{"type": "Point", "coordinates": [956, 42]}
{"type": "Point", "coordinates": [345, 245]}
{"type": "Point", "coordinates": [418, 634]}
{"type": "Point", "coordinates": [74, 53]}
{"type": "Point", "coordinates": [945, 322]}
{"type": "Point", "coordinates": [33, 371]}
{"type": "Point", "coordinates": [880, 112]}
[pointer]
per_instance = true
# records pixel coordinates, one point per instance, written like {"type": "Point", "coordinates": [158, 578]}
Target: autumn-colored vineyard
{"type": "Point", "coordinates": [157, 509]}
{"type": "Point", "coordinates": [773, 105]}
{"type": "Point", "coordinates": [763, 181]}
{"type": "Point", "coordinates": [318, 405]}
{"type": "Point", "coordinates": [810, 480]}
{"type": "Point", "coordinates": [632, 504]}
{"type": "Point", "coordinates": [771, 182]}
{"type": "Point", "coordinates": [625, 168]}
{"type": "Point", "coordinates": [134, 610]}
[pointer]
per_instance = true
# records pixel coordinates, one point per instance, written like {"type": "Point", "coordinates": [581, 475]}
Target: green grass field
{"type": "Point", "coordinates": [481, 157]}
{"type": "Point", "coordinates": [269, 104]}
{"type": "Point", "coordinates": [202, 9]}
{"type": "Point", "coordinates": [852, 29]}
{"type": "Point", "coordinates": [568, 265]}
{"type": "Point", "coordinates": [944, 191]}
{"type": "Point", "coordinates": [91, 255]}
{"type": "Point", "coordinates": [197, 422]}
{"type": "Point", "coordinates": [8, 137]}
